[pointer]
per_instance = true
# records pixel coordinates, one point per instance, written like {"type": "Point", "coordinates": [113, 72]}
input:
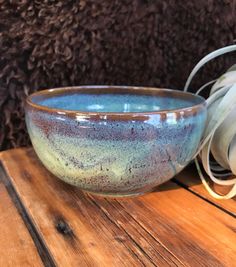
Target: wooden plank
{"type": "Point", "coordinates": [16, 245]}
{"type": "Point", "coordinates": [75, 230]}
{"type": "Point", "coordinates": [171, 227]}
{"type": "Point", "coordinates": [197, 233]}
{"type": "Point", "coordinates": [189, 178]}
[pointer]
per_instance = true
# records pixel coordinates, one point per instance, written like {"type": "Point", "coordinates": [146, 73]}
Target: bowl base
{"type": "Point", "coordinates": [111, 195]}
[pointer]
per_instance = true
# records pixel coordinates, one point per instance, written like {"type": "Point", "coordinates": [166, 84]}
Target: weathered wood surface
{"type": "Point", "coordinates": [190, 179]}
{"type": "Point", "coordinates": [169, 227]}
{"type": "Point", "coordinates": [16, 245]}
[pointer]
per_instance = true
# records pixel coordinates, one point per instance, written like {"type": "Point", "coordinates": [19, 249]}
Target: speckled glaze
{"type": "Point", "coordinates": [115, 140]}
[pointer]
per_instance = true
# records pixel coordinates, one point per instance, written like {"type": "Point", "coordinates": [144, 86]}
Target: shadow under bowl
{"type": "Point", "coordinates": [115, 140]}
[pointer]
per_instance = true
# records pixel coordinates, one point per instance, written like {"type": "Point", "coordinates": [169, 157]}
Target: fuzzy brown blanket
{"type": "Point", "coordinates": [49, 43]}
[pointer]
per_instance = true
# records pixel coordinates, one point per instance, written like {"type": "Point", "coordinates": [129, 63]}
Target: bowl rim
{"type": "Point", "coordinates": [191, 110]}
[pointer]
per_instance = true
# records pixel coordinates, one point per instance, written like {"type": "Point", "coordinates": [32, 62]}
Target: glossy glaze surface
{"type": "Point", "coordinates": [114, 102]}
{"type": "Point", "coordinates": [117, 151]}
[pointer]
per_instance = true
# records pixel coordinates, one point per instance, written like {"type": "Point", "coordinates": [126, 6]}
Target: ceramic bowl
{"type": "Point", "coordinates": [115, 140]}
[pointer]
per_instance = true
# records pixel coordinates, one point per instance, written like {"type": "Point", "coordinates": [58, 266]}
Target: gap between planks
{"type": "Point", "coordinates": [189, 180]}
{"type": "Point", "coordinates": [43, 252]}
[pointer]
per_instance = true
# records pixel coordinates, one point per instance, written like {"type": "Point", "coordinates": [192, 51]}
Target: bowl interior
{"type": "Point", "coordinates": [115, 99]}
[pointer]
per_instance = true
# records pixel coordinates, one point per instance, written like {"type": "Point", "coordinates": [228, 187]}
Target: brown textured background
{"type": "Point", "coordinates": [46, 43]}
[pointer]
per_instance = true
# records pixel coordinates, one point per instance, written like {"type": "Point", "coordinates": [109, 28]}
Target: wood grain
{"type": "Point", "coordinates": [170, 227]}
{"type": "Point", "coordinates": [190, 179]}
{"type": "Point", "coordinates": [16, 245]}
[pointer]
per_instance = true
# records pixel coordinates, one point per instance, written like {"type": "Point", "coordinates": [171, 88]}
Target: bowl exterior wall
{"type": "Point", "coordinates": [117, 157]}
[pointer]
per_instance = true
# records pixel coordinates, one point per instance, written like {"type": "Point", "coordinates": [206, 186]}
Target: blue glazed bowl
{"type": "Point", "coordinates": [115, 140]}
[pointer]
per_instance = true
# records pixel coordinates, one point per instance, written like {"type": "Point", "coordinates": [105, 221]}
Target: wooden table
{"type": "Point", "coordinates": [47, 222]}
